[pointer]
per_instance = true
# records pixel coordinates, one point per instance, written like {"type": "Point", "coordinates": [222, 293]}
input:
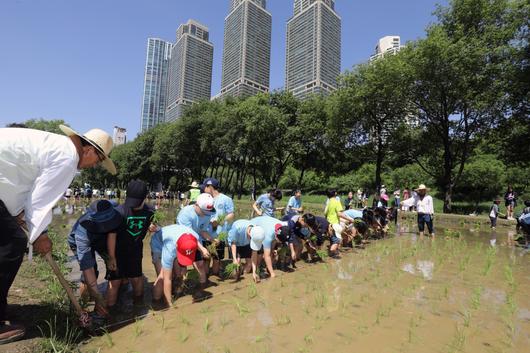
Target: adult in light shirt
{"type": "Point", "coordinates": [264, 205]}
{"type": "Point", "coordinates": [36, 167]}
{"type": "Point", "coordinates": [425, 207]}
{"type": "Point", "coordinates": [294, 205]}
{"type": "Point", "coordinates": [221, 221]}
{"type": "Point", "coordinates": [275, 231]}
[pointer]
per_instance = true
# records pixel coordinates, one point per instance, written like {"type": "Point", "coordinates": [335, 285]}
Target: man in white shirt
{"type": "Point", "coordinates": [35, 169]}
{"type": "Point", "coordinates": [425, 208]}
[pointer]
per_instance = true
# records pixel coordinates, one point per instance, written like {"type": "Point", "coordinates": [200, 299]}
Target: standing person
{"type": "Point", "coordinates": [397, 198]}
{"type": "Point", "coordinates": [221, 220]}
{"type": "Point", "coordinates": [193, 193]}
{"type": "Point", "coordinates": [264, 205]}
{"type": "Point", "coordinates": [406, 196]}
{"type": "Point", "coordinates": [35, 169]}
{"type": "Point", "coordinates": [334, 213]}
{"type": "Point", "coordinates": [128, 247]}
{"type": "Point", "coordinates": [510, 201]}
{"type": "Point", "coordinates": [425, 208]}
{"type": "Point", "coordinates": [245, 242]}
{"type": "Point", "coordinates": [348, 202]}
{"type": "Point", "coordinates": [197, 217]}
{"type": "Point", "coordinates": [494, 212]}
{"type": "Point", "coordinates": [173, 249]}
{"type": "Point", "coordinates": [382, 190]}
{"type": "Point", "coordinates": [294, 206]}
{"type": "Point", "coordinates": [360, 198]}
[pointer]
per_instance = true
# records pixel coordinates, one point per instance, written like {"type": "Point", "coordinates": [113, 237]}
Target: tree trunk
{"type": "Point", "coordinates": [379, 158]}
{"type": "Point", "coordinates": [301, 179]}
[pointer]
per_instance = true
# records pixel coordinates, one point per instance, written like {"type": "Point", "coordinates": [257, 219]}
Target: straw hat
{"type": "Point", "coordinates": [422, 187]}
{"type": "Point", "coordinates": [195, 185]}
{"type": "Point", "coordinates": [101, 141]}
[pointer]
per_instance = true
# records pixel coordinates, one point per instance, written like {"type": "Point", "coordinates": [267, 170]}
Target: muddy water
{"type": "Point", "coordinates": [403, 294]}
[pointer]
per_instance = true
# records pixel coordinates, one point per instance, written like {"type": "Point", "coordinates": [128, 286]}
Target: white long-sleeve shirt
{"type": "Point", "coordinates": [422, 206]}
{"type": "Point", "coordinates": [36, 167]}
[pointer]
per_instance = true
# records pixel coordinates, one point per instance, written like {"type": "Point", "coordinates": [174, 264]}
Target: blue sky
{"type": "Point", "coordinates": [83, 60]}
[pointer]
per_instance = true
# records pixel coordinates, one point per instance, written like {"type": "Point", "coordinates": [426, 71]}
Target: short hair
{"type": "Point", "coordinates": [331, 193]}
{"type": "Point", "coordinates": [310, 219]}
{"type": "Point", "coordinates": [277, 193]}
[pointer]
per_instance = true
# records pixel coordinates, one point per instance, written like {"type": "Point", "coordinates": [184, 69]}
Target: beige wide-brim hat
{"type": "Point", "coordinates": [101, 141]}
{"type": "Point", "coordinates": [422, 187]}
{"type": "Point", "coordinates": [195, 185]}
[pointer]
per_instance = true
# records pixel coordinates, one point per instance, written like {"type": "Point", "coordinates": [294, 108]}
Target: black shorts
{"type": "Point", "coordinates": [220, 249]}
{"type": "Point", "coordinates": [244, 252]}
{"type": "Point", "coordinates": [129, 266]}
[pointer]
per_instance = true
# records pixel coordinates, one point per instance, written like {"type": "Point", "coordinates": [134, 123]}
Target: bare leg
{"type": "Point", "coordinates": [112, 292]}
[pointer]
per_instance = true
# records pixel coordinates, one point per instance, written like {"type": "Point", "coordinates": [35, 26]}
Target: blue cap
{"type": "Point", "coordinates": [211, 181]}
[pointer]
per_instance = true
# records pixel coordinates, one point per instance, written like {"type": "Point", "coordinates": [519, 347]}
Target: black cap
{"type": "Point", "coordinates": [283, 234]}
{"type": "Point", "coordinates": [136, 193]}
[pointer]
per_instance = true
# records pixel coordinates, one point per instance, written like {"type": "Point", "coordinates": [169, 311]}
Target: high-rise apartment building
{"type": "Point", "coordinates": [386, 45]}
{"type": "Point", "coordinates": [313, 50]}
{"type": "Point", "coordinates": [247, 49]}
{"type": "Point", "coordinates": [155, 82]}
{"type": "Point", "coordinates": [119, 137]}
{"type": "Point", "coordinates": [190, 69]}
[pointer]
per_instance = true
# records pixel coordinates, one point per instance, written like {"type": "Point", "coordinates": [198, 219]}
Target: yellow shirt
{"type": "Point", "coordinates": [332, 211]}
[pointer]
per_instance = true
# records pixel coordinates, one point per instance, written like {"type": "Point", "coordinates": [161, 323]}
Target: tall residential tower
{"type": "Point", "coordinates": [155, 82]}
{"type": "Point", "coordinates": [190, 69]}
{"type": "Point", "coordinates": [313, 49]}
{"type": "Point", "coordinates": [387, 45]}
{"type": "Point", "coordinates": [247, 49]}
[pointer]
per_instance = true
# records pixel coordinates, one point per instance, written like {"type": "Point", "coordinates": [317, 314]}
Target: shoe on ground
{"type": "Point", "coordinates": [11, 333]}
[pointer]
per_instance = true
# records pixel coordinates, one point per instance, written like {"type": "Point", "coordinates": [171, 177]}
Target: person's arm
{"type": "Point", "coordinates": [92, 285]}
{"type": "Point", "coordinates": [254, 260]}
{"type": "Point", "coordinates": [207, 236]}
{"type": "Point", "coordinates": [203, 250]}
{"type": "Point", "coordinates": [431, 206]}
{"type": "Point", "coordinates": [345, 217]}
{"type": "Point", "coordinates": [268, 262]}
{"type": "Point", "coordinates": [233, 248]}
{"type": "Point", "coordinates": [293, 252]}
{"type": "Point", "coordinates": [257, 208]}
{"type": "Point", "coordinates": [167, 276]}
{"type": "Point", "coordinates": [47, 190]}
{"type": "Point", "coordinates": [111, 247]}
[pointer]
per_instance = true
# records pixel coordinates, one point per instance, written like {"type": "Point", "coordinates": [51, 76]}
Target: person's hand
{"type": "Point", "coordinates": [21, 219]}
{"type": "Point", "coordinates": [205, 253]}
{"type": "Point", "coordinates": [101, 310]}
{"type": "Point", "coordinates": [273, 275]}
{"type": "Point", "coordinates": [216, 241]}
{"type": "Point", "coordinates": [42, 245]}
{"type": "Point", "coordinates": [112, 265]}
{"type": "Point", "coordinates": [256, 278]}
{"type": "Point", "coordinates": [259, 213]}
{"type": "Point", "coordinates": [236, 261]}
{"type": "Point", "coordinates": [214, 223]}
{"type": "Point", "coordinates": [293, 257]}
{"type": "Point", "coordinates": [153, 228]}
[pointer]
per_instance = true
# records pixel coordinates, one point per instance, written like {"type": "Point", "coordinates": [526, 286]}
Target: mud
{"type": "Point", "coordinates": [466, 293]}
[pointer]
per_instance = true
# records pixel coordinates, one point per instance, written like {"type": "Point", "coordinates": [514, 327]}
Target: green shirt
{"type": "Point", "coordinates": [332, 211]}
{"type": "Point", "coordinates": [194, 193]}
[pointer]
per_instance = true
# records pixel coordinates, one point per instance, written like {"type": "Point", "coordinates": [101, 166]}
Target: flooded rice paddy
{"type": "Point", "coordinates": [465, 293]}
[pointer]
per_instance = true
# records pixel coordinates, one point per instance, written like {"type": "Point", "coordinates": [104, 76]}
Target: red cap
{"type": "Point", "coordinates": [277, 228]}
{"type": "Point", "coordinates": [186, 249]}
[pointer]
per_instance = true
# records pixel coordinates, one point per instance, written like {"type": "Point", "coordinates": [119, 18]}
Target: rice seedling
{"type": "Point", "coordinates": [222, 236]}
{"type": "Point", "coordinates": [490, 259]}
{"type": "Point", "coordinates": [159, 217]}
{"type": "Point", "coordinates": [227, 350]}
{"type": "Point", "coordinates": [162, 321]}
{"type": "Point", "coordinates": [223, 322]}
{"type": "Point", "coordinates": [138, 328]}
{"type": "Point", "coordinates": [108, 338]}
{"type": "Point", "coordinates": [65, 342]}
{"type": "Point", "coordinates": [321, 299]}
{"type": "Point", "coordinates": [508, 275]}
{"type": "Point", "coordinates": [241, 309]}
{"type": "Point", "coordinates": [511, 306]}
{"type": "Point", "coordinates": [283, 320]}
{"type": "Point", "coordinates": [475, 297]}
{"type": "Point", "coordinates": [323, 254]}
{"type": "Point", "coordinates": [183, 336]}
{"type": "Point", "coordinates": [185, 321]}
{"type": "Point", "coordinates": [458, 342]}
{"type": "Point", "coordinates": [207, 326]}
{"type": "Point", "coordinates": [365, 297]}
{"type": "Point", "coordinates": [467, 317]}
{"type": "Point", "coordinates": [411, 330]}
{"type": "Point", "coordinates": [308, 339]}
{"type": "Point", "coordinates": [252, 291]}
{"type": "Point", "coordinates": [212, 249]}
{"type": "Point", "coordinates": [230, 270]}
{"type": "Point", "coordinates": [206, 310]}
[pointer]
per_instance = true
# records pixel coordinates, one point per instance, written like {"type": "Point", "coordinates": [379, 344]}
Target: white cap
{"type": "Point", "coordinates": [257, 235]}
{"type": "Point", "coordinates": [205, 203]}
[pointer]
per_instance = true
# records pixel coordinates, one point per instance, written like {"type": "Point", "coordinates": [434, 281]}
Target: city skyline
{"type": "Point", "coordinates": [94, 78]}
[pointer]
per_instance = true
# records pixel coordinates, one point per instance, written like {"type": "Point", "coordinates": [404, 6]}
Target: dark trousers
{"type": "Point", "coordinates": [13, 242]}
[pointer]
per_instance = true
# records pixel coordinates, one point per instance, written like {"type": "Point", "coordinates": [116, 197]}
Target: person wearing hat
{"type": "Point", "coordinates": [276, 231]}
{"type": "Point", "coordinates": [264, 205]}
{"type": "Point", "coordinates": [298, 231]}
{"type": "Point", "coordinates": [193, 193]}
{"type": "Point", "coordinates": [221, 220]}
{"type": "Point", "coordinates": [90, 234]}
{"type": "Point", "coordinates": [127, 250]}
{"type": "Point", "coordinates": [197, 217]}
{"type": "Point", "coordinates": [173, 249]}
{"type": "Point", "coordinates": [425, 207]}
{"type": "Point", "coordinates": [36, 167]}
{"type": "Point", "coordinates": [244, 241]}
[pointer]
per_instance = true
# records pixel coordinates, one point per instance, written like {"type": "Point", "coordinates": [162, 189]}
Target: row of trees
{"type": "Point", "coordinates": [451, 109]}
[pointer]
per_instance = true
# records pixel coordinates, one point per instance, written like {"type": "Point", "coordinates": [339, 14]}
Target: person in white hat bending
{"type": "Point", "coordinates": [36, 167]}
{"type": "Point", "coordinates": [425, 208]}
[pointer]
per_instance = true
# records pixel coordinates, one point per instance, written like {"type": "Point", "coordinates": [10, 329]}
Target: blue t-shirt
{"type": "Point", "coordinates": [84, 243]}
{"type": "Point", "coordinates": [353, 213]}
{"type": "Point", "coordinates": [223, 206]}
{"type": "Point", "coordinates": [238, 233]}
{"type": "Point", "coordinates": [266, 204]}
{"type": "Point", "coordinates": [165, 241]}
{"type": "Point", "coordinates": [189, 218]}
{"type": "Point", "coordinates": [269, 225]}
{"type": "Point", "coordinates": [293, 203]}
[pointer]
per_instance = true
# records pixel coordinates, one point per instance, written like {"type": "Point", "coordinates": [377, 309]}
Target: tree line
{"type": "Point", "coordinates": [450, 109]}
